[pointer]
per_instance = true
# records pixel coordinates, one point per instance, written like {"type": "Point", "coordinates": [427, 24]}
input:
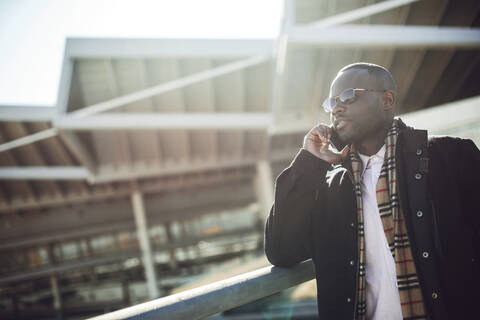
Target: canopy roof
{"type": "Point", "coordinates": [196, 111]}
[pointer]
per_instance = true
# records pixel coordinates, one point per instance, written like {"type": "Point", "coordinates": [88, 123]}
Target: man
{"type": "Point", "coordinates": [392, 222]}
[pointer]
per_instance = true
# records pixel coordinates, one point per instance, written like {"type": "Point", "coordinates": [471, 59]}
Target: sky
{"type": "Point", "coordinates": [33, 32]}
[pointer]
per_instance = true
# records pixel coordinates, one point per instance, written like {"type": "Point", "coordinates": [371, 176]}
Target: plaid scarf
{"type": "Point", "coordinates": [395, 231]}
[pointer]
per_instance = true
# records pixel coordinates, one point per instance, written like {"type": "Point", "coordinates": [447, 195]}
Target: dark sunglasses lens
{"type": "Point", "coordinates": [347, 96]}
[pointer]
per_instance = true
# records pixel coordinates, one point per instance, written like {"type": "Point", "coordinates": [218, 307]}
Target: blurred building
{"type": "Point", "coordinates": [156, 165]}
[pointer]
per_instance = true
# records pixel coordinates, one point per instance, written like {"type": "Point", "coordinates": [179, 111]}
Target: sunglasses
{"type": "Point", "coordinates": [347, 96]}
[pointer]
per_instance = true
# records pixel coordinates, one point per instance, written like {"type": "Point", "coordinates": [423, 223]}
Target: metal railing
{"type": "Point", "coordinates": [219, 296]}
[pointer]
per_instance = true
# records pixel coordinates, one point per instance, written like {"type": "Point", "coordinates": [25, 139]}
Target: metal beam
{"type": "Point", "coordinates": [27, 113]}
{"type": "Point", "coordinates": [278, 72]}
{"type": "Point", "coordinates": [386, 36]}
{"type": "Point", "coordinates": [396, 17]}
{"type": "Point", "coordinates": [112, 257]}
{"type": "Point", "coordinates": [64, 84]}
{"type": "Point", "coordinates": [111, 216]}
{"type": "Point", "coordinates": [180, 168]}
{"type": "Point", "coordinates": [219, 296]}
{"type": "Point", "coordinates": [181, 181]}
{"type": "Point", "coordinates": [30, 155]}
{"type": "Point", "coordinates": [45, 134]}
{"type": "Point", "coordinates": [167, 121]}
{"type": "Point", "coordinates": [26, 187]}
{"type": "Point", "coordinates": [135, 48]}
{"type": "Point", "coordinates": [169, 86]}
{"type": "Point", "coordinates": [359, 13]}
{"type": "Point", "coordinates": [113, 148]}
{"type": "Point", "coordinates": [338, 19]}
{"type": "Point", "coordinates": [406, 63]}
{"type": "Point", "coordinates": [107, 175]}
{"type": "Point", "coordinates": [44, 173]}
{"type": "Point", "coordinates": [449, 116]}
{"type": "Point", "coordinates": [154, 151]}
{"type": "Point", "coordinates": [69, 266]}
{"type": "Point", "coordinates": [73, 143]}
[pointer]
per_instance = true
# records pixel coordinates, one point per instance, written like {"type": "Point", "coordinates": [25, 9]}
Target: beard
{"type": "Point", "coordinates": [355, 132]}
{"type": "Point", "coordinates": [349, 134]}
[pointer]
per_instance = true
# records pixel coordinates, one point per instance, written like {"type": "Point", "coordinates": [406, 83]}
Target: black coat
{"type": "Point", "coordinates": [314, 216]}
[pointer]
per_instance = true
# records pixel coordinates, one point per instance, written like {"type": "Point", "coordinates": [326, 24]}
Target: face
{"type": "Point", "coordinates": [366, 116]}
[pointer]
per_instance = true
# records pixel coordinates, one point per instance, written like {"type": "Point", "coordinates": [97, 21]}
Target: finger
{"type": "Point", "coordinates": [317, 134]}
{"type": "Point", "coordinates": [314, 141]}
{"type": "Point", "coordinates": [323, 129]}
{"type": "Point", "coordinates": [323, 138]}
{"type": "Point", "coordinates": [314, 137]}
{"type": "Point", "coordinates": [329, 132]}
{"type": "Point", "coordinates": [321, 132]}
{"type": "Point", "coordinates": [345, 152]}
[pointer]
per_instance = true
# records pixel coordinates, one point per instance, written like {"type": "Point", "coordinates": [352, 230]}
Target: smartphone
{"type": "Point", "coordinates": [335, 140]}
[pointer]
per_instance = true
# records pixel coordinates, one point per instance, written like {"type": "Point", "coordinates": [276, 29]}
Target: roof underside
{"type": "Point", "coordinates": [425, 78]}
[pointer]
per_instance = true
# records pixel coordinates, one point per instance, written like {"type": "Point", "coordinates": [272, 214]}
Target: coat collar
{"type": "Point", "coordinates": [410, 140]}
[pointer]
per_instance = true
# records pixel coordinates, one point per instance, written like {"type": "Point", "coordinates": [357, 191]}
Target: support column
{"type": "Point", "coordinates": [171, 250]}
{"type": "Point", "coordinates": [126, 292]}
{"type": "Point", "coordinates": [15, 309]}
{"type": "Point", "coordinates": [264, 188]}
{"type": "Point", "coordinates": [147, 258]}
{"type": "Point", "coordinates": [57, 299]}
{"type": "Point", "coordinates": [90, 253]}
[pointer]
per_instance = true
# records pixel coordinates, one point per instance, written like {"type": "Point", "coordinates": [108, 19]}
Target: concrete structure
{"type": "Point", "coordinates": [160, 154]}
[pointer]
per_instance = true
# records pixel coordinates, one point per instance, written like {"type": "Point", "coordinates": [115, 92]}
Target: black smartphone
{"type": "Point", "coordinates": [338, 143]}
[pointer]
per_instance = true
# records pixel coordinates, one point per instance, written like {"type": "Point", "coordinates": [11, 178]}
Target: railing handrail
{"type": "Point", "coordinates": [219, 296]}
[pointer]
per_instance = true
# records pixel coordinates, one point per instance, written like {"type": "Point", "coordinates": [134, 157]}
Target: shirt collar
{"type": "Point", "coordinates": [378, 157]}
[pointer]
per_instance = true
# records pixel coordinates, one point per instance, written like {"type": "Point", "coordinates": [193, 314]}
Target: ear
{"type": "Point", "coordinates": [388, 100]}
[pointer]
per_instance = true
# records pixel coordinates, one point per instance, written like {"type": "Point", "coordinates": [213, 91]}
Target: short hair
{"type": "Point", "coordinates": [381, 74]}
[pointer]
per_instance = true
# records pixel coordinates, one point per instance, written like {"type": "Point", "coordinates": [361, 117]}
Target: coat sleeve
{"type": "Point", "coordinates": [299, 190]}
{"type": "Point", "coordinates": [470, 187]}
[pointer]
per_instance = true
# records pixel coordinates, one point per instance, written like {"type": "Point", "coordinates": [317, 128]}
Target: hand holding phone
{"type": "Point", "coordinates": [318, 142]}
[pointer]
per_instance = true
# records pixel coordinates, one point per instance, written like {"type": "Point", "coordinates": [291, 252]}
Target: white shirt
{"type": "Point", "coordinates": [383, 300]}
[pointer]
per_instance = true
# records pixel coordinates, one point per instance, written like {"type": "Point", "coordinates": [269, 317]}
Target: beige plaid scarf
{"type": "Point", "coordinates": [395, 231]}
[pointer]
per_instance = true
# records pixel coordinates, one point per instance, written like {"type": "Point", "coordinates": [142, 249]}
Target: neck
{"type": "Point", "coordinates": [370, 145]}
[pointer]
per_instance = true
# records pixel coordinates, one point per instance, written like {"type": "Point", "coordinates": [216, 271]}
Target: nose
{"type": "Point", "coordinates": [339, 108]}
